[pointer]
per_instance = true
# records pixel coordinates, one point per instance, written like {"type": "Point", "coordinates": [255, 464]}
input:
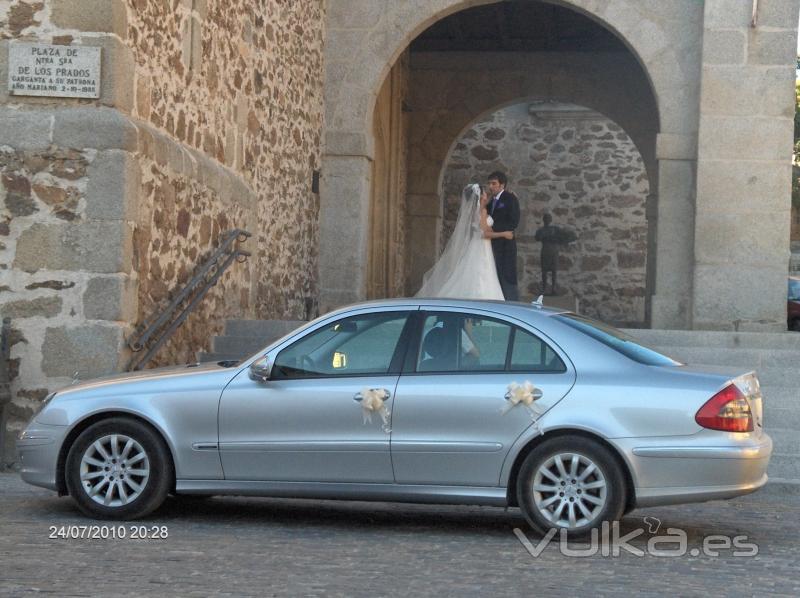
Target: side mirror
{"type": "Point", "coordinates": [261, 369]}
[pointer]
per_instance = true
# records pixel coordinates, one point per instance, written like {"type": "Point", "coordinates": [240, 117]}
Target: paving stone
{"type": "Point", "coordinates": [281, 547]}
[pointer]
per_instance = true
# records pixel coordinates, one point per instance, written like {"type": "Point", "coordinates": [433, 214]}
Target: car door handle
{"type": "Point", "coordinates": [537, 394]}
{"type": "Point", "coordinates": [386, 395]}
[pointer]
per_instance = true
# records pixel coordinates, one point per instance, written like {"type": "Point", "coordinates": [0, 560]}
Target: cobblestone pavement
{"type": "Point", "coordinates": [265, 547]}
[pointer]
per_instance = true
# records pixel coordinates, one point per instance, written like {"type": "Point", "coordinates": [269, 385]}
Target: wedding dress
{"type": "Point", "coordinates": [466, 269]}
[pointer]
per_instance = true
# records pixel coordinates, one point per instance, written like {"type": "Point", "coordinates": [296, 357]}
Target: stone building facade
{"type": "Point", "coordinates": [585, 171]}
{"type": "Point", "coordinates": [210, 119]}
{"type": "Point", "coordinates": [217, 114]}
{"type": "Point", "coordinates": [704, 90]}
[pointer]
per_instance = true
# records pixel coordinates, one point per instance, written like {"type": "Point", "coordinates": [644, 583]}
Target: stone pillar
{"type": "Point", "coordinates": [674, 237]}
{"type": "Point", "coordinates": [651, 214]}
{"type": "Point", "coordinates": [69, 184]}
{"type": "Point", "coordinates": [344, 236]}
{"type": "Point", "coordinates": [741, 245]}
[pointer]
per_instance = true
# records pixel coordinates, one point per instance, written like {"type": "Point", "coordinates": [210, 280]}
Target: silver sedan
{"type": "Point", "coordinates": [438, 401]}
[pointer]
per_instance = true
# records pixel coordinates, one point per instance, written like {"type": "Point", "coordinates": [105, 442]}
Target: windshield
{"type": "Point", "coordinates": [616, 339]}
{"type": "Point", "coordinates": [794, 289]}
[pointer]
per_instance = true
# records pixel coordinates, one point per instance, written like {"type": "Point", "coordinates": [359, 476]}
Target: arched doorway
{"type": "Point", "coordinates": [584, 170]}
{"type": "Point", "coordinates": [614, 61]}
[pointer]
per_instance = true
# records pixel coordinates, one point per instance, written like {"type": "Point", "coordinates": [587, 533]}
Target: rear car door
{"type": "Point", "coordinates": [451, 422]}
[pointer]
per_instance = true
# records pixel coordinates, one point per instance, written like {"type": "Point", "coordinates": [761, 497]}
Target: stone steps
{"type": "Point", "coordinates": [242, 338]}
{"type": "Point", "coordinates": [264, 328]}
{"type": "Point", "coordinates": [204, 357]}
{"type": "Point", "coordinates": [242, 345]}
{"type": "Point", "coordinates": [755, 358]}
{"type": "Point", "coordinates": [717, 340]}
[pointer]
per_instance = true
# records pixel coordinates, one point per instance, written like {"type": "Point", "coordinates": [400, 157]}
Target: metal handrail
{"type": "Point", "coordinates": [163, 325]}
{"type": "Point", "coordinates": [5, 358]}
{"type": "Point", "coordinates": [5, 390]}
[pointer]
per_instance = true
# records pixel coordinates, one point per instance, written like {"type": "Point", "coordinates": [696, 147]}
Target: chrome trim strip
{"type": "Point", "coordinates": [454, 495]}
{"type": "Point", "coordinates": [757, 451]}
{"type": "Point", "coordinates": [422, 446]}
{"type": "Point", "coordinates": [309, 446]}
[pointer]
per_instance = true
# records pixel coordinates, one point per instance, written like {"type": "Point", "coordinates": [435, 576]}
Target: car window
{"type": "Point", "coordinates": [615, 339]}
{"type": "Point", "coordinates": [358, 345]}
{"type": "Point", "coordinates": [532, 354]}
{"type": "Point", "coordinates": [453, 342]}
{"type": "Point", "coordinates": [794, 290]}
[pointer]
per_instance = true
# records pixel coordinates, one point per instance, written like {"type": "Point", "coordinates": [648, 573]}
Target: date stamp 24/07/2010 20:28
{"type": "Point", "coordinates": [108, 532]}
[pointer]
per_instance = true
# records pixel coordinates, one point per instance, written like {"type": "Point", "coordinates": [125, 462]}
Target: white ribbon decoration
{"type": "Point", "coordinates": [373, 402]}
{"type": "Point", "coordinates": [523, 394]}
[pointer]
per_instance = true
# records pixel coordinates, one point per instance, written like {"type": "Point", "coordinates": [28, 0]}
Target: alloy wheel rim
{"type": "Point", "coordinates": [570, 490]}
{"type": "Point", "coordinates": [114, 470]}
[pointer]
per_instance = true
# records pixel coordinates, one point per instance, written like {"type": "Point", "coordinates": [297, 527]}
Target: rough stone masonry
{"type": "Point", "coordinates": [209, 118]}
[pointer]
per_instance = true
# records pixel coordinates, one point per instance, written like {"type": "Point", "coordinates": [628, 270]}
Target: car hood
{"type": "Point", "coordinates": [143, 377]}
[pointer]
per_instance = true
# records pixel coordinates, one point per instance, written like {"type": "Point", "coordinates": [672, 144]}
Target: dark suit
{"type": "Point", "coordinates": [505, 213]}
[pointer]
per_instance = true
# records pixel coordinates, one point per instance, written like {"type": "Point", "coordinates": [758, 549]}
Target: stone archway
{"type": "Point", "coordinates": [584, 170]}
{"type": "Point", "coordinates": [370, 36]}
{"type": "Point", "coordinates": [440, 115]}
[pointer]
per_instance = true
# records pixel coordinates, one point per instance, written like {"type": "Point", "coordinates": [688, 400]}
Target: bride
{"type": "Point", "coordinates": [466, 269]}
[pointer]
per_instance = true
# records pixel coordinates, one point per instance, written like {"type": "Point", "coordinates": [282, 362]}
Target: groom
{"type": "Point", "coordinates": [504, 209]}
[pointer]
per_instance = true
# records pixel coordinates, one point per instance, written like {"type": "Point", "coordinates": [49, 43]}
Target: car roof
{"type": "Point", "coordinates": [510, 308]}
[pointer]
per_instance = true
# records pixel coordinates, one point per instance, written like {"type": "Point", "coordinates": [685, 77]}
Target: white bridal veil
{"type": "Point", "coordinates": [466, 230]}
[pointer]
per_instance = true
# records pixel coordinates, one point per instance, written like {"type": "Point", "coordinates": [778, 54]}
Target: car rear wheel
{"type": "Point", "coordinates": [118, 469]}
{"type": "Point", "coordinates": [570, 483]}
{"type": "Point", "coordinates": [795, 325]}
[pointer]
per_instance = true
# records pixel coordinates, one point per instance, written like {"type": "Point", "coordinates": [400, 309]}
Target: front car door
{"type": "Point", "coordinates": [306, 422]}
{"type": "Point", "coordinates": [451, 423]}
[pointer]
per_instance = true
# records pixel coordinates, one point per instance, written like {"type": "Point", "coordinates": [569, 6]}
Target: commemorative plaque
{"type": "Point", "coordinates": [54, 71]}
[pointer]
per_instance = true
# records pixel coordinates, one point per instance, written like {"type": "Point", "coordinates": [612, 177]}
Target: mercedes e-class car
{"type": "Point", "coordinates": [414, 400]}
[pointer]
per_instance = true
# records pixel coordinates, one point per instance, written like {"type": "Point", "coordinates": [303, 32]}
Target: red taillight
{"type": "Point", "coordinates": [728, 411]}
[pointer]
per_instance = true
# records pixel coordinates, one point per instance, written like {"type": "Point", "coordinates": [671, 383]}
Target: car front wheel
{"type": "Point", "coordinates": [572, 484]}
{"type": "Point", "coordinates": [118, 468]}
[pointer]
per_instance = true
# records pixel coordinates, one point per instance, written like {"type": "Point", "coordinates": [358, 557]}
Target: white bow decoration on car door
{"type": "Point", "coordinates": [372, 401]}
{"type": "Point", "coordinates": [525, 394]}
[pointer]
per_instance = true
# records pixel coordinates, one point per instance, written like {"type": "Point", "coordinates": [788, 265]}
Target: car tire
{"type": "Point", "coordinates": [570, 483]}
{"type": "Point", "coordinates": [795, 325]}
{"type": "Point", "coordinates": [119, 468]}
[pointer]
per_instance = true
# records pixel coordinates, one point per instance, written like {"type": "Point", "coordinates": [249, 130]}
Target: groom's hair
{"type": "Point", "coordinates": [498, 176]}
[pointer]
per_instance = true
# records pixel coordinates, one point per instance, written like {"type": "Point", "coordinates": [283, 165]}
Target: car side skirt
{"type": "Point", "coordinates": [449, 495]}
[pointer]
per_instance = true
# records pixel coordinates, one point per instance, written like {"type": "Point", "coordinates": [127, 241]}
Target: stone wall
{"type": "Point", "coordinates": [46, 288]}
{"type": "Point", "coordinates": [242, 83]}
{"type": "Point", "coordinates": [209, 119]}
{"type": "Point", "coordinates": [188, 203]}
{"type": "Point", "coordinates": [744, 169]}
{"type": "Point", "coordinates": [584, 170]}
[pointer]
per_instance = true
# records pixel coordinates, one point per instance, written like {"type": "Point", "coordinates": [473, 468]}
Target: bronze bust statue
{"type": "Point", "coordinates": [551, 237]}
